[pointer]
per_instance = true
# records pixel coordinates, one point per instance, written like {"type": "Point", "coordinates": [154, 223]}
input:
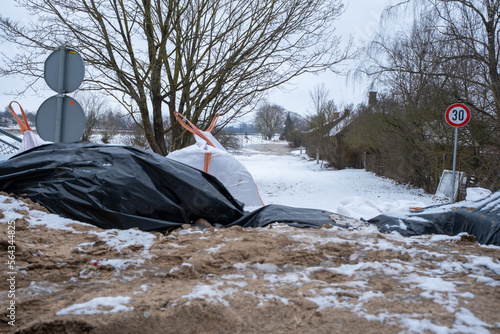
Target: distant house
{"type": "Point", "coordinates": [341, 154]}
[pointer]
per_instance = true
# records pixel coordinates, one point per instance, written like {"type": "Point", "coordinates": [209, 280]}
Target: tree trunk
{"type": "Point", "coordinates": [180, 137]}
{"type": "Point", "coordinates": [493, 62]}
{"type": "Point", "coordinates": [148, 130]}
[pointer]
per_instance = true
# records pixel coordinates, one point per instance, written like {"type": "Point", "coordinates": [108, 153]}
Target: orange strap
{"type": "Point", "coordinates": [186, 124]}
{"type": "Point", "coordinates": [208, 155]}
{"type": "Point", "coordinates": [214, 123]}
{"type": "Point", "coordinates": [193, 129]}
{"type": "Point", "coordinates": [24, 126]}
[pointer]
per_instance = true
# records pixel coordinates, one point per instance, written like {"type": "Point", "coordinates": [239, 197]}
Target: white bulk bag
{"type": "Point", "coordinates": [30, 139]}
{"type": "Point", "coordinates": [210, 156]}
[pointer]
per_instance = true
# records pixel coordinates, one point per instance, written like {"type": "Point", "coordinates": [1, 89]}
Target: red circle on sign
{"type": "Point", "coordinates": [72, 102]}
{"type": "Point", "coordinates": [457, 115]}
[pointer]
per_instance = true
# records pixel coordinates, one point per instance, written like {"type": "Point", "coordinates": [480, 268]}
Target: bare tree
{"type": "Point", "coordinates": [321, 122]}
{"type": "Point", "coordinates": [319, 98]}
{"type": "Point", "coordinates": [467, 34]}
{"type": "Point", "coordinates": [473, 29]}
{"type": "Point", "coordinates": [269, 120]}
{"type": "Point", "coordinates": [110, 123]}
{"type": "Point", "coordinates": [196, 57]}
{"type": "Point", "coordinates": [94, 106]}
{"type": "Point", "coordinates": [325, 111]}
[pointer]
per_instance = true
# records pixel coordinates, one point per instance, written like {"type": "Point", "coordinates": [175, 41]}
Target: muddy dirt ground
{"type": "Point", "coordinates": [245, 280]}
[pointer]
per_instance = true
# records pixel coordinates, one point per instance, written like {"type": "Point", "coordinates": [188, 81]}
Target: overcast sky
{"type": "Point", "coordinates": [360, 20]}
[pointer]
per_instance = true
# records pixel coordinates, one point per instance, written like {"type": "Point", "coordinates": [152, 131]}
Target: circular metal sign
{"type": "Point", "coordinates": [457, 115]}
{"type": "Point", "coordinates": [72, 119]}
{"type": "Point", "coordinates": [64, 70]}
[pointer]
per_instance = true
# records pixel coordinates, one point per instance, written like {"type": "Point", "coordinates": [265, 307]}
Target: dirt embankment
{"type": "Point", "coordinates": [236, 280]}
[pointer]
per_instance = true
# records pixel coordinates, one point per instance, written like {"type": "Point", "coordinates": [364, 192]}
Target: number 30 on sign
{"type": "Point", "coordinates": [457, 115]}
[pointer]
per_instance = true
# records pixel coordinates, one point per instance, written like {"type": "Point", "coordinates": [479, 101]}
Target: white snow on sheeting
{"type": "Point", "coordinates": [476, 193]}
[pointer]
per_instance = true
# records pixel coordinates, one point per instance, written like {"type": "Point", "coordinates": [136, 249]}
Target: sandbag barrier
{"type": "Point", "coordinates": [124, 187]}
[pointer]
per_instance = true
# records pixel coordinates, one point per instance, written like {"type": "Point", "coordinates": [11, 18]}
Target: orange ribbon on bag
{"type": "Point", "coordinates": [24, 126]}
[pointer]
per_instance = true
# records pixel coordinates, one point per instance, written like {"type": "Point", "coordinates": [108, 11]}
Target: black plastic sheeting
{"type": "Point", "coordinates": [124, 187]}
{"type": "Point", "coordinates": [296, 217]}
{"type": "Point", "coordinates": [480, 218]}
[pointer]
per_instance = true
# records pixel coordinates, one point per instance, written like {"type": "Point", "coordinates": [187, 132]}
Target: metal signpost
{"type": "Point", "coordinates": [457, 115]}
{"type": "Point", "coordinates": [60, 118]}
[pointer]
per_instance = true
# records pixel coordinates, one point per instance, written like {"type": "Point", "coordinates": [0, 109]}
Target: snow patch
{"type": "Point", "coordinates": [99, 305]}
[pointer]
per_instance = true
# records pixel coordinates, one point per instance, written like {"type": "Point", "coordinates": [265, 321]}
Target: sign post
{"type": "Point", "coordinates": [457, 115]}
{"type": "Point", "coordinates": [60, 118]}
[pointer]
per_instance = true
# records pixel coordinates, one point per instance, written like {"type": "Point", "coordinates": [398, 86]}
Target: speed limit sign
{"type": "Point", "coordinates": [457, 115]}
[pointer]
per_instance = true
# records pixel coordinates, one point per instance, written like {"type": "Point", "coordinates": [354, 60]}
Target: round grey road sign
{"type": "Point", "coordinates": [72, 120]}
{"type": "Point", "coordinates": [64, 70]}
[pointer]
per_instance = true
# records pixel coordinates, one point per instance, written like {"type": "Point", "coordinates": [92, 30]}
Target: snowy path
{"type": "Point", "coordinates": [295, 181]}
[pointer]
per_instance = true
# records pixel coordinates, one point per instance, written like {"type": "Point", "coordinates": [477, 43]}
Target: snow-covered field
{"type": "Point", "coordinates": [269, 280]}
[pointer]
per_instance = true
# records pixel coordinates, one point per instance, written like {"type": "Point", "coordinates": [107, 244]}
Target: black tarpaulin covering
{"type": "Point", "coordinates": [123, 187]}
{"type": "Point", "coordinates": [297, 217]}
{"type": "Point", "coordinates": [117, 187]}
{"type": "Point", "coordinates": [480, 218]}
